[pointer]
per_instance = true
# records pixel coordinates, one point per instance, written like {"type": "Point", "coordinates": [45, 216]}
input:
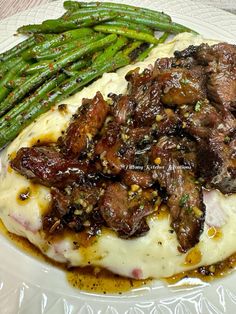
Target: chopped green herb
{"type": "Point", "coordinates": [185, 81]}
{"type": "Point", "coordinates": [189, 209]}
{"type": "Point", "coordinates": [198, 106]}
{"type": "Point", "coordinates": [227, 139]}
{"type": "Point", "coordinates": [184, 200]}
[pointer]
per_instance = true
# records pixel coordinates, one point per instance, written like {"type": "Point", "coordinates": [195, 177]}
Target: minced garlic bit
{"type": "Point", "coordinates": [186, 115]}
{"type": "Point", "coordinates": [82, 203]}
{"type": "Point", "coordinates": [89, 209]}
{"type": "Point", "coordinates": [124, 137]}
{"type": "Point", "coordinates": [159, 117]}
{"type": "Point", "coordinates": [197, 211]}
{"type": "Point", "coordinates": [212, 268]}
{"type": "Point", "coordinates": [168, 111]}
{"type": "Point", "coordinates": [135, 187]}
{"type": "Point", "coordinates": [86, 223]}
{"type": "Point", "coordinates": [89, 136]}
{"type": "Point", "coordinates": [184, 124]}
{"type": "Point", "coordinates": [78, 212]}
{"type": "Point", "coordinates": [157, 161]}
{"type": "Point", "coordinates": [163, 208]}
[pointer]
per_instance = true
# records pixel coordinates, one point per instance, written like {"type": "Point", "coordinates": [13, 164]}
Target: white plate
{"type": "Point", "coordinates": [28, 286]}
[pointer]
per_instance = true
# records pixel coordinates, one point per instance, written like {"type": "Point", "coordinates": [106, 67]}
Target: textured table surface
{"type": "Point", "coordinates": [10, 7]}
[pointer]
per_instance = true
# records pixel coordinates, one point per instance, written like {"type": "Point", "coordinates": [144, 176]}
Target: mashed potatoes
{"type": "Point", "coordinates": [153, 255]}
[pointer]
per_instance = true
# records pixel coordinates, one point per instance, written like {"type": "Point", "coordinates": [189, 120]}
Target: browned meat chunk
{"type": "Point", "coordinates": [47, 166]}
{"type": "Point", "coordinates": [108, 148]}
{"type": "Point", "coordinates": [181, 86]}
{"type": "Point", "coordinates": [85, 126]}
{"type": "Point", "coordinates": [217, 163]}
{"type": "Point", "coordinates": [215, 158]}
{"type": "Point", "coordinates": [123, 108]}
{"type": "Point", "coordinates": [142, 178]}
{"type": "Point", "coordinates": [75, 211]}
{"type": "Point", "coordinates": [221, 61]}
{"type": "Point", "coordinates": [185, 196]}
{"type": "Point", "coordinates": [124, 214]}
{"type": "Point", "coordinates": [200, 119]}
{"type": "Point", "coordinates": [146, 92]}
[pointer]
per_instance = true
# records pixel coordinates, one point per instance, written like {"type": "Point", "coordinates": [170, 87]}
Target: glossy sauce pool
{"type": "Point", "coordinates": [97, 280]}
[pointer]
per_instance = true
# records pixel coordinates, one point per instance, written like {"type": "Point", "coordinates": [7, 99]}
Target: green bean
{"type": "Point", "coordinates": [17, 70]}
{"type": "Point", "coordinates": [16, 82]}
{"type": "Point", "coordinates": [18, 49]}
{"type": "Point", "coordinates": [110, 29]}
{"type": "Point", "coordinates": [79, 65]}
{"type": "Point", "coordinates": [171, 27]}
{"type": "Point", "coordinates": [40, 66]}
{"type": "Point", "coordinates": [15, 115]}
{"type": "Point", "coordinates": [110, 51]}
{"type": "Point", "coordinates": [9, 64]}
{"type": "Point", "coordinates": [31, 29]}
{"type": "Point", "coordinates": [60, 50]}
{"type": "Point", "coordinates": [130, 25]}
{"type": "Point", "coordinates": [56, 40]}
{"type": "Point", "coordinates": [72, 5]}
{"type": "Point", "coordinates": [134, 45]}
{"type": "Point", "coordinates": [144, 54]}
{"type": "Point", "coordinates": [32, 109]}
{"type": "Point", "coordinates": [163, 38]}
{"type": "Point", "coordinates": [37, 79]}
{"type": "Point", "coordinates": [40, 93]}
{"type": "Point", "coordinates": [60, 25]}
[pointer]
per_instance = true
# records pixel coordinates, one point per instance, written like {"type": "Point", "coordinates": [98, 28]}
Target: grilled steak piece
{"type": "Point", "coordinates": [145, 91]}
{"type": "Point", "coordinates": [200, 119]}
{"type": "Point", "coordinates": [108, 147]}
{"type": "Point", "coordinates": [221, 62]}
{"type": "Point", "coordinates": [85, 126]}
{"type": "Point", "coordinates": [217, 163]}
{"type": "Point", "coordinates": [185, 196]}
{"type": "Point", "coordinates": [141, 178]}
{"type": "Point", "coordinates": [124, 214]}
{"type": "Point", "coordinates": [123, 107]}
{"type": "Point", "coordinates": [76, 211]}
{"type": "Point", "coordinates": [182, 86]}
{"type": "Point", "coordinates": [47, 166]}
{"type": "Point", "coordinates": [220, 66]}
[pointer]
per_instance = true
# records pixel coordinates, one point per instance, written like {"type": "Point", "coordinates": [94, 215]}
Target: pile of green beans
{"type": "Point", "coordinates": [61, 56]}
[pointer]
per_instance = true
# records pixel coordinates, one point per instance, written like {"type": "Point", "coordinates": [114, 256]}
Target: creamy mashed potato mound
{"type": "Point", "coordinates": [152, 255]}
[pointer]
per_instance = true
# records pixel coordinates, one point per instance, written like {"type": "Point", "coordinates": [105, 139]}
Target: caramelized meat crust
{"type": "Point", "coordinates": [47, 166]}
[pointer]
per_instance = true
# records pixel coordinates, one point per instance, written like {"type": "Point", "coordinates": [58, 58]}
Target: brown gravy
{"type": "Point", "coordinates": [97, 280]}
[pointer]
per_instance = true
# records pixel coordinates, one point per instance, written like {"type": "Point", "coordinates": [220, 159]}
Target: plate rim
{"type": "Point", "coordinates": [50, 302]}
